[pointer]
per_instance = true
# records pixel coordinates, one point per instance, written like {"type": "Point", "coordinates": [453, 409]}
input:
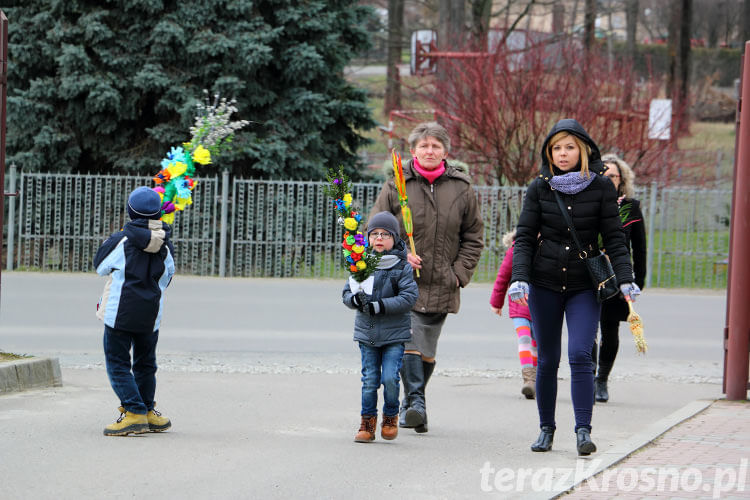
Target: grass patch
{"type": "Point", "coordinates": [710, 135]}
{"type": "Point", "coordinates": [690, 259]}
{"type": "Point", "coordinates": [713, 137]}
{"type": "Point", "coordinates": [32, 269]}
{"type": "Point", "coordinates": [9, 356]}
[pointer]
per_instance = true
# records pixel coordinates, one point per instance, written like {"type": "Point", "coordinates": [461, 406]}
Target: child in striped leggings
{"type": "Point", "coordinates": [521, 319]}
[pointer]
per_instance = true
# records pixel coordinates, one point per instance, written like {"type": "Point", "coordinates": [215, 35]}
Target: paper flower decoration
{"type": "Point", "coordinates": [175, 184]}
{"type": "Point", "coordinates": [176, 179]}
{"type": "Point", "coordinates": [356, 258]}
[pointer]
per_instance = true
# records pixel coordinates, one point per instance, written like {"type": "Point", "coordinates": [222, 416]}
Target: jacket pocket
{"type": "Point", "coordinates": [538, 251]}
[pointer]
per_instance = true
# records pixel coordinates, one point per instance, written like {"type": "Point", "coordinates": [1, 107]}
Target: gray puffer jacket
{"type": "Point", "coordinates": [396, 293]}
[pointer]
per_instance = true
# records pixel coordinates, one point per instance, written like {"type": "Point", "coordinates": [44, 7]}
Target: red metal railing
{"type": "Point", "coordinates": [737, 331]}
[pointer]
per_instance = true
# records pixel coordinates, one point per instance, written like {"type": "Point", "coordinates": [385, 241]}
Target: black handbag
{"type": "Point", "coordinates": [599, 266]}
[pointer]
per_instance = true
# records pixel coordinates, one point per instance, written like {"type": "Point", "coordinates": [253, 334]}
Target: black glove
{"type": "Point", "coordinates": [356, 302]}
{"type": "Point", "coordinates": [360, 301]}
{"type": "Point", "coordinates": [375, 308]}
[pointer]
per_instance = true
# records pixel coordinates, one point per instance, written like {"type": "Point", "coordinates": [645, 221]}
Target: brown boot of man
{"type": "Point", "coordinates": [366, 432]}
{"type": "Point", "coordinates": [529, 382]}
{"type": "Point", "coordinates": [389, 427]}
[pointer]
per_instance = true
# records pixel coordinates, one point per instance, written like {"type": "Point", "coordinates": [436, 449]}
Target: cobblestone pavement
{"type": "Point", "coordinates": [705, 456]}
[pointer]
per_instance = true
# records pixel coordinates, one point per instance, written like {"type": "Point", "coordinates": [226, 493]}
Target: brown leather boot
{"type": "Point", "coordinates": [367, 429]}
{"type": "Point", "coordinates": [389, 427]}
{"type": "Point", "coordinates": [529, 382]}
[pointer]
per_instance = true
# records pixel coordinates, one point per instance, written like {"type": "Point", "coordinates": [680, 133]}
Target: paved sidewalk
{"type": "Point", "coordinates": [705, 456]}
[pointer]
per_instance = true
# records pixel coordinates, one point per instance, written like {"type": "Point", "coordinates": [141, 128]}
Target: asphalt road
{"type": "Point", "coordinates": [288, 326]}
{"type": "Point", "coordinates": [260, 379]}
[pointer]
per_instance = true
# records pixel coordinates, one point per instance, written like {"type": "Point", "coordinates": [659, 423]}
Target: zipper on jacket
{"type": "Point", "coordinates": [437, 224]}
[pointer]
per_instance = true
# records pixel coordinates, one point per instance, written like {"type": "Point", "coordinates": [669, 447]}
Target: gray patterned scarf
{"type": "Point", "coordinates": [571, 183]}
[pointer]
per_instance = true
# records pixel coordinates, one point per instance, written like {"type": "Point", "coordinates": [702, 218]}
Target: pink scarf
{"type": "Point", "coordinates": [430, 175]}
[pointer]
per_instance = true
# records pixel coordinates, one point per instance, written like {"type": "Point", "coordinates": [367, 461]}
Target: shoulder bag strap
{"type": "Point", "coordinates": [573, 233]}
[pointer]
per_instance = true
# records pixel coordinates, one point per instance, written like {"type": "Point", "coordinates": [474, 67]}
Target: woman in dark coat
{"type": "Point", "coordinates": [550, 275]}
{"type": "Point", "coordinates": [448, 236]}
{"type": "Point", "coordinates": [615, 309]}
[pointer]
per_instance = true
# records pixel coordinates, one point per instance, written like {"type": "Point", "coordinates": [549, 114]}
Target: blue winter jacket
{"type": "Point", "coordinates": [397, 292]}
{"type": "Point", "coordinates": [140, 264]}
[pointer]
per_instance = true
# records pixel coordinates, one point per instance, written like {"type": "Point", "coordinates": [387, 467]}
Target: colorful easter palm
{"type": "Point", "coordinates": [398, 179]}
{"type": "Point", "coordinates": [360, 262]}
{"type": "Point", "coordinates": [210, 134]}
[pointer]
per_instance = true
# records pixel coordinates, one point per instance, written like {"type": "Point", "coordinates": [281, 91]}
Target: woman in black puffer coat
{"type": "Point", "coordinates": [616, 309]}
{"type": "Point", "coordinates": [551, 277]}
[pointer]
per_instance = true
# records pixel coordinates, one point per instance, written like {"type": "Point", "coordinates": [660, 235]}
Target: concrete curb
{"type": "Point", "coordinates": [32, 373]}
{"type": "Point", "coordinates": [624, 449]}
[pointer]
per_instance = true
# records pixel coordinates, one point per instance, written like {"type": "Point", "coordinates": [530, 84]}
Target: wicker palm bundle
{"type": "Point", "coordinates": [636, 328]}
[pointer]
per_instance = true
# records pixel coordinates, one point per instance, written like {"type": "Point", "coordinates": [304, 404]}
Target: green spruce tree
{"type": "Point", "coordinates": [108, 85]}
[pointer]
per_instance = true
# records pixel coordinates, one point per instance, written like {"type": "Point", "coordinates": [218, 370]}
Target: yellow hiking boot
{"type": "Point", "coordinates": [128, 423]}
{"type": "Point", "coordinates": [157, 423]}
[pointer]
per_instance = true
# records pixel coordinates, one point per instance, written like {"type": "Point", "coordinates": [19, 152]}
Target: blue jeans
{"type": "Point", "coordinates": [581, 312]}
{"type": "Point", "coordinates": [381, 365]}
{"type": "Point", "coordinates": [134, 383]}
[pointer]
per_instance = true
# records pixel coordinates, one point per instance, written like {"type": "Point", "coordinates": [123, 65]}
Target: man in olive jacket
{"type": "Point", "coordinates": [448, 239]}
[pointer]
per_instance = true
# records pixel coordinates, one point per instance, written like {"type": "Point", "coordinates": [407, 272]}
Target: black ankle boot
{"type": "Point", "coordinates": [544, 441]}
{"type": "Point", "coordinates": [601, 393]}
{"type": "Point", "coordinates": [584, 443]}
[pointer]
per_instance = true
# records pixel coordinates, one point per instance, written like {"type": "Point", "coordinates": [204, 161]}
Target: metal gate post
{"type": "Point", "coordinates": [223, 225]}
{"type": "Point", "coordinates": [650, 239]}
{"type": "Point", "coordinates": [11, 217]}
{"type": "Point", "coordinates": [3, 109]}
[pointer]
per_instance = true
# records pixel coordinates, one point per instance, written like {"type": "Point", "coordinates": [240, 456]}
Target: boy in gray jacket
{"type": "Point", "coordinates": [382, 325]}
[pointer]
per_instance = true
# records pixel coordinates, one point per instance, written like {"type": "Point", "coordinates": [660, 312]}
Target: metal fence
{"type": "Point", "coordinates": [60, 220]}
{"type": "Point", "coordinates": [688, 236]}
{"type": "Point", "coordinates": [288, 229]}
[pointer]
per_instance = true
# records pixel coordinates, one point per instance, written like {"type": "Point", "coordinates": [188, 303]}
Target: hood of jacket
{"type": "Point", "coordinates": [147, 234]}
{"type": "Point", "coordinates": [571, 126]}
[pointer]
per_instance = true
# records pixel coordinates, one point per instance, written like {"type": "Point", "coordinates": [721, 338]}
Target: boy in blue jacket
{"type": "Point", "coordinates": [139, 262]}
{"type": "Point", "coordinates": [382, 325]}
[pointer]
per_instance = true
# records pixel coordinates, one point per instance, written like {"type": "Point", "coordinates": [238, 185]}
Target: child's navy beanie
{"type": "Point", "coordinates": [144, 203]}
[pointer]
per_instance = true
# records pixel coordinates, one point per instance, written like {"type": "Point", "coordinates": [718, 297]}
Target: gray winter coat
{"type": "Point", "coordinates": [396, 292]}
